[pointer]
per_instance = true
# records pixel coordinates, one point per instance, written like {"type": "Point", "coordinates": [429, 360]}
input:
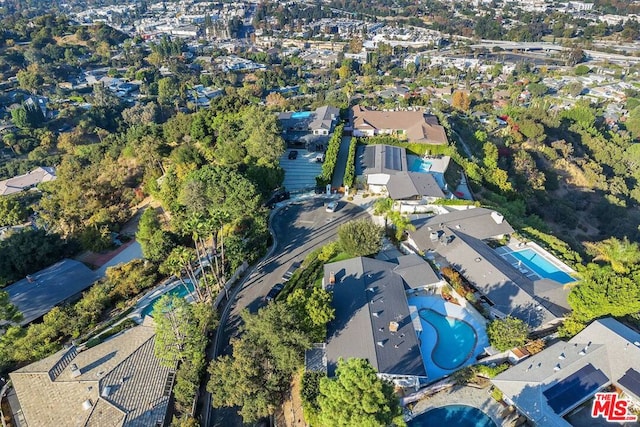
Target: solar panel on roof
{"type": "Point", "coordinates": [393, 158]}
{"type": "Point", "coordinates": [574, 389]}
{"type": "Point", "coordinates": [631, 381]}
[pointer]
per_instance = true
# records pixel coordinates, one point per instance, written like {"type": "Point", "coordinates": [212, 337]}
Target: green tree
{"type": "Point", "coordinates": [619, 253]}
{"type": "Point", "coordinates": [604, 292]}
{"type": "Point", "coordinates": [178, 336]}
{"type": "Point", "coordinates": [360, 238]}
{"type": "Point", "coordinates": [490, 155]}
{"type": "Point", "coordinates": [401, 223]}
{"type": "Point", "coordinates": [505, 334]}
{"type": "Point", "coordinates": [258, 374]}
{"type": "Point", "coordinates": [8, 311]}
{"type": "Point", "coordinates": [167, 91]}
{"type": "Point", "coordinates": [356, 397]}
{"type": "Point", "coordinates": [537, 89]}
{"type": "Point", "coordinates": [383, 207]}
{"type": "Point", "coordinates": [11, 211]}
{"type": "Point", "coordinates": [129, 279]}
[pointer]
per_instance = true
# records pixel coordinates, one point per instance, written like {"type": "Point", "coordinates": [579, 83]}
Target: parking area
{"type": "Point", "coordinates": [300, 173]}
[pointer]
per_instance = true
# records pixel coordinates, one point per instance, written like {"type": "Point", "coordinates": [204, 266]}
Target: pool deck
{"type": "Point", "coordinates": [516, 245]}
{"type": "Point", "coordinates": [428, 337]}
{"type": "Point", "coordinates": [147, 298]}
{"type": "Point", "coordinates": [465, 395]}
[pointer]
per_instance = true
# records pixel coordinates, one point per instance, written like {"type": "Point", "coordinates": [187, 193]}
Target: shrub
{"type": "Point", "coordinates": [331, 156]}
{"type": "Point", "coordinates": [507, 333]}
{"type": "Point", "coordinates": [350, 171]}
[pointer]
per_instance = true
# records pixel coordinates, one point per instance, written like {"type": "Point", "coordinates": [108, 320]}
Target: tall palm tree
{"type": "Point", "coordinates": [198, 227]}
{"type": "Point", "coordinates": [401, 223]}
{"type": "Point", "coordinates": [619, 253]}
{"type": "Point", "coordinates": [383, 207]}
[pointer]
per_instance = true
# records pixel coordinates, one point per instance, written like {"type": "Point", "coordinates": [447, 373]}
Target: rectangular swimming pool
{"type": "Point", "coordinates": [541, 266]}
{"type": "Point", "coordinates": [420, 165]}
{"type": "Point", "coordinates": [301, 114]}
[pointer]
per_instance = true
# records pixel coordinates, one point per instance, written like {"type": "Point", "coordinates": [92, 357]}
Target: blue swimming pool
{"type": "Point", "coordinates": [179, 291]}
{"type": "Point", "coordinates": [420, 165]}
{"type": "Point", "coordinates": [543, 268]}
{"type": "Point", "coordinates": [301, 114]}
{"type": "Point", "coordinates": [458, 415]}
{"type": "Point", "coordinates": [455, 342]}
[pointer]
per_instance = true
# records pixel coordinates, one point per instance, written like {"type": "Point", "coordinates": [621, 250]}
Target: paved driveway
{"type": "Point", "coordinates": [299, 228]}
{"type": "Point", "coordinates": [300, 174]}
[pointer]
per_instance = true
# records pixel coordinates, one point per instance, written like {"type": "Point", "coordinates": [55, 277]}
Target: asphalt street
{"type": "Point", "coordinates": [298, 228]}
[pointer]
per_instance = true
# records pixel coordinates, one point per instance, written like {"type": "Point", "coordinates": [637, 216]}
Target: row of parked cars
{"type": "Point", "coordinates": [278, 287]}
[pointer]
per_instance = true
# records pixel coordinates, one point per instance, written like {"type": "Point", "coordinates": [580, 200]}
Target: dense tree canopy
{"type": "Point", "coordinates": [356, 397]}
{"type": "Point", "coordinates": [505, 334]}
{"type": "Point", "coordinates": [360, 237]}
{"type": "Point", "coordinates": [28, 251]}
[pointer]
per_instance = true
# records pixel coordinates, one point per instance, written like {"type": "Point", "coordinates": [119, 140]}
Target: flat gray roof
{"type": "Point", "coordinates": [367, 296]}
{"type": "Point", "coordinates": [49, 287]}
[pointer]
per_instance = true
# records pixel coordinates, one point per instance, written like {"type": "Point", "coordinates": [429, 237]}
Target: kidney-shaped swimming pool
{"type": "Point", "coordinates": [456, 339]}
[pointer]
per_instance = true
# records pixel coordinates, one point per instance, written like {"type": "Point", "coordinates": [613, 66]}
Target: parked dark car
{"type": "Point", "coordinates": [274, 292]}
{"type": "Point", "coordinates": [278, 196]}
{"type": "Point", "coordinates": [293, 154]}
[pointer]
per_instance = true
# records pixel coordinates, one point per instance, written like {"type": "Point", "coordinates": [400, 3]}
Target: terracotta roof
{"type": "Point", "coordinates": [417, 126]}
{"type": "Point", "coordinates": [120, 382]}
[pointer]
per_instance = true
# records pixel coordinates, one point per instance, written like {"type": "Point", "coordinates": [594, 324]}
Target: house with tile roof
{"type": "Point", "coordinates": [119, 383]}
{"type": "Point", "coordinates": [27, 181]}
{"type": "Point", "coordinates": [552, 387]}
{"type": "Point", "coordinates": [372, 318]}
{"type": "Point", "coordinates": [386, 171]}
{"type": "Point", "coordinates": [414, 126]}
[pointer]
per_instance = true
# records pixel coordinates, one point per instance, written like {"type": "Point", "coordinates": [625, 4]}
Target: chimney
{"type": "Point", "coordinates": [75, 371]}
{"type": "Point", "coordinates": [393, 326]}
{"type": "Point", "coordinates": [86, 405]}
{"type": "Point", "coordinates": [497, 217]}
{"type": "Point", "coordinates": [106, 391]}
{"type": "Point", "coordinates": [332, 278]}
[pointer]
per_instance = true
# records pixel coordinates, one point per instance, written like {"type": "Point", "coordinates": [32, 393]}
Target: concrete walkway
{"type": "Point", "coordinates": [341, 163]}
{"type": "Point", "coordinates": [465, 395]}
{"type": "Point", "coordinates": [131, 252]}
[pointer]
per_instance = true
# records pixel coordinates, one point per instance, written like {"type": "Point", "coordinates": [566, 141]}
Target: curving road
{"type": "Point", "coordinates": [298, 228]}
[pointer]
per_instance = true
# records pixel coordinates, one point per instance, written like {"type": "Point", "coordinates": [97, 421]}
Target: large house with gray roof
{"type": "Point", "coordinates": [555, 387]}
{"type": "Point", "coordinates": [372, 319]}
{"type": "Point", "coordinates": [319, 122]}
{"type": "Point", "coordinates": [459, 237]}
{"type": "Point", "coordinates": [117, 383]}
{"type": "Point", "coordinates": [386, 171]}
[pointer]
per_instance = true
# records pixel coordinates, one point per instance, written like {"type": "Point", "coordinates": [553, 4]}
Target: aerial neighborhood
{"type": "Point", "coordinates": [334, 213]}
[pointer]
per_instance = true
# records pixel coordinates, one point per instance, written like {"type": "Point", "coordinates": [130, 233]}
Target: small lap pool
{"type": "Point", "coordinates": [420, 165]}
{"type": "Point", "coordinates": [456, 339]}
{"type": "Point", "coordinates": [179, 291]}
{"type": "Point", "coordinates": [458, 415]}
{"type": "Point", "coordinates": [541, 266]}
{"type": "Point", "coordinates": [301, 114]}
